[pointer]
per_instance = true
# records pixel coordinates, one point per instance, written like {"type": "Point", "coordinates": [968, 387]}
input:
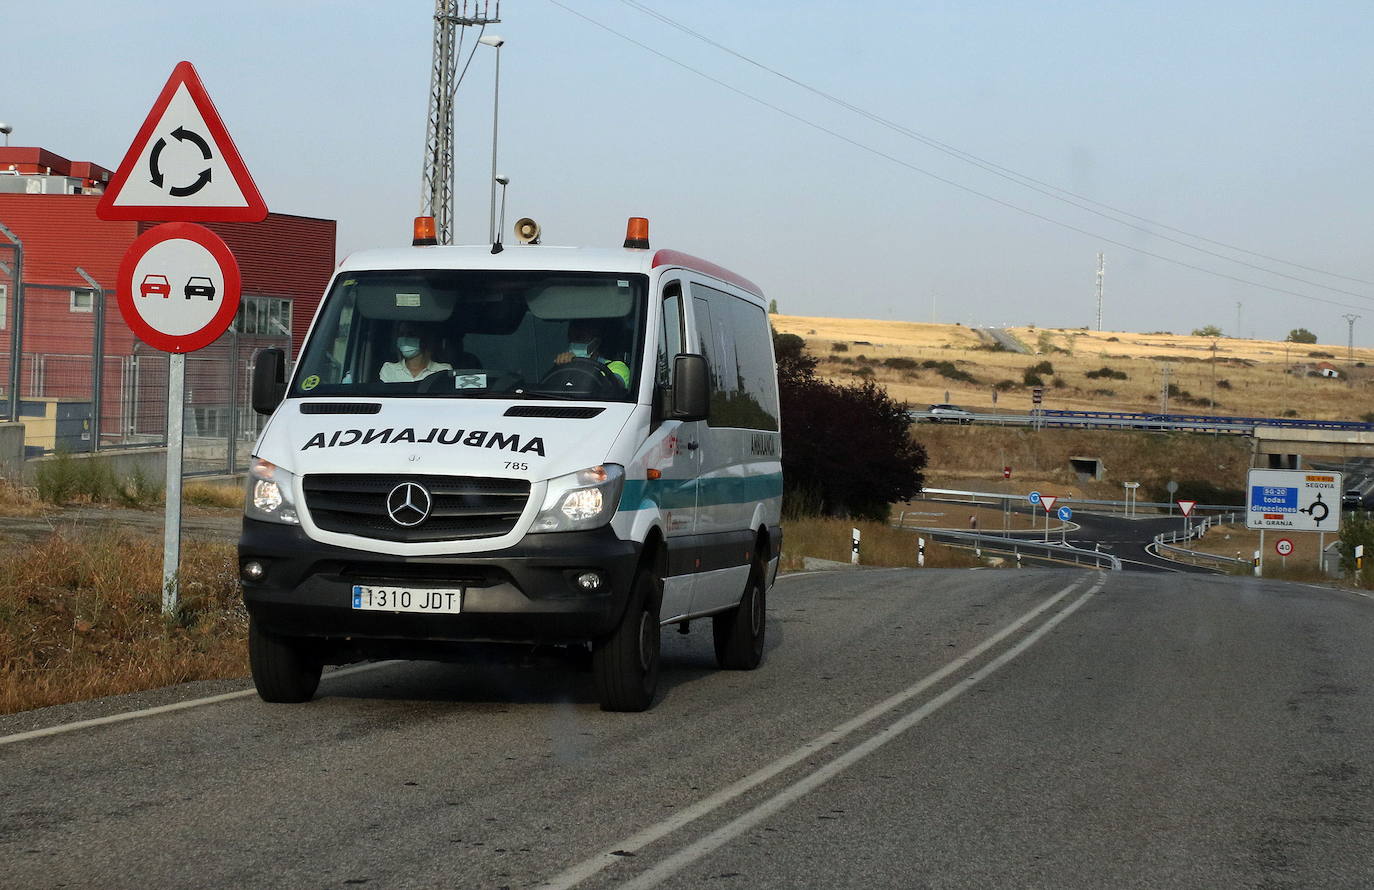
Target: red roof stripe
{"type": "Point", "coordinates": [705, 267]}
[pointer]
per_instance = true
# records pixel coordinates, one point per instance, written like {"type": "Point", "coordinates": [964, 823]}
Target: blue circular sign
{"type": "Point", "coordinates": [1065, 514]}
{"type": "Point", "coordinates": [1033, 497]}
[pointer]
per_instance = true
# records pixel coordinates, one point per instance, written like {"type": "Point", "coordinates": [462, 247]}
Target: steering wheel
{"type": "Point", "coordinates": [579, 375]}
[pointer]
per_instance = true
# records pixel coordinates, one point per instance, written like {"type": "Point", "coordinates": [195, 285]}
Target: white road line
{"type": "Point", "coordinates": [581, 871]}
{"type": "Point", "coordinates": [728, 832]}
{"type": "Point", "coordinates": [164, 709]}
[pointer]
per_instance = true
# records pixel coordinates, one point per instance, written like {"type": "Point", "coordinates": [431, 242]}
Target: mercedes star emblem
{"type": "Point", "coordinates": [408, 504]}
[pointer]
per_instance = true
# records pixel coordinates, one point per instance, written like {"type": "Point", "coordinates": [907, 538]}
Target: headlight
{"type": "Point", "coordinates": [582, 500]}
{"type": "Point", "coordinates": [269, 494]}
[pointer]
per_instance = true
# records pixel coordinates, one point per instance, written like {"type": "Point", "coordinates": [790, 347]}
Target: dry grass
{"type": "Point", "coordinates": [17, 500]}
{"type": "Point", "coordinates": [1251, 376]}
{"type": "Point", "coordinates": [881, 545]}
{"type": "Point", "coordinates": [80, 617]}
{"type": "Point", "coordinates": [205, 494]}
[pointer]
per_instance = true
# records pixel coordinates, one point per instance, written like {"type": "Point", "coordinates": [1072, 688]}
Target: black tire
{"type": "Point", "coordinates": [284, 670]}
{"type": "Point", "coordinates": [626, 663]}
{"type": "Point", "coordinates": [739, 633]}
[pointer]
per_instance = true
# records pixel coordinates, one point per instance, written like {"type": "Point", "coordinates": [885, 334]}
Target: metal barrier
{"type": "Point", "coordinates": [1164, 543]}
{"type": "Point", "coordinates": [1200, 423]}
{"type": "Point", "coordinates": [1064, 499]}
{"type": "Point", "coordinates": [997, 543]}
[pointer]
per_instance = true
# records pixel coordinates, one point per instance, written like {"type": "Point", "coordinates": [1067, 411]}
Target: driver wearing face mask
{"type": "Point", "coordinates": [415, 362]}
{"type": "Point", "coordinates": [584, 342]}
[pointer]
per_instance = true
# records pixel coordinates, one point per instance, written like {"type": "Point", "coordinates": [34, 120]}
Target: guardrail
{"type": "Point", "coordinates": [1055, 552]}
{"type": "Point", "coordinates": [1091, 502]}
{"type": "Point", "coordinates": [1206, 423]}
{"type": "Point", "coordinates": [1165, 542]}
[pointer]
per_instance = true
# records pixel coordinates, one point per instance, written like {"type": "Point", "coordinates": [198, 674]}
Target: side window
{"type": "Point", "coordinates": [669, 335]}
{"type": "Point", "coordinates": [757, 375]}
{"type": "Point", "coordinates": [734, 336]}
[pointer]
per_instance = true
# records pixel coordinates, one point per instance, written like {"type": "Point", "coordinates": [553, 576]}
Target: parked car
{"type": "Point", "coordinates": [950, 414]}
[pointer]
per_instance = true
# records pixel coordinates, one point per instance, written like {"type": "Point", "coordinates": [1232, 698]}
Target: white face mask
{"type": "Point", "coordinates": [580, 350]}
{"type": "Point", "coordinates": [409, 347]}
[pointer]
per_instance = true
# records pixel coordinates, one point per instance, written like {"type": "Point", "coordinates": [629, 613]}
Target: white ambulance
{"type": "Point", "coordinates": [535, 445]}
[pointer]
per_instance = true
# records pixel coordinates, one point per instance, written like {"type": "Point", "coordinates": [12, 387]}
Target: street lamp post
{"type": "Point", "coordinates": [496, 42]}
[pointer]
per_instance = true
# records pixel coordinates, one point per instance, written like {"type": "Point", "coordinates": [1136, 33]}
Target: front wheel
{"type": "Point", "coordinates": [283, 669]}
{"type": "Point", "coordinates": [626, 662]}
{"type": "Point", "coordinates": [739, 633]}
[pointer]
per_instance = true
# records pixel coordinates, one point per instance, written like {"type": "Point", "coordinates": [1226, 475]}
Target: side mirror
{"type": "Point", "coordinates": [691, 388]}
{"type": "Point", "coordinates": [269, 380]}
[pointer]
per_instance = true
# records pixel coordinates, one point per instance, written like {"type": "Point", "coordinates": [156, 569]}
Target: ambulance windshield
{"type": "Point", "coordinates": [477, 334]}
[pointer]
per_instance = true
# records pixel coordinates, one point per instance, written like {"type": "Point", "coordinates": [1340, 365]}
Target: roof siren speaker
{"type": "Point", "coordinates": [526, 230]}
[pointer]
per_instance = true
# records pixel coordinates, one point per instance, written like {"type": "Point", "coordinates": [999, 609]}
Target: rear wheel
{"type": "Point", "coordinates": [739, 633]}
{"type": "Point", "coordinates": [626, 663]}
{"type": "Point", "coordinates": [284, 670]}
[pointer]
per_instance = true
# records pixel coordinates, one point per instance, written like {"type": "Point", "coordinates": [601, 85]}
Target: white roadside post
{"type": "Point", "coordinates": [854, 546]}
{"type": "Point", "coordinates": [178, 287]}
{"type": "Point", "coordinates": [920, 552]}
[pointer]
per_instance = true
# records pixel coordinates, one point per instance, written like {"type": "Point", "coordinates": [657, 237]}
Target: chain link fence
{"type": "Point", "coordinates": [84, 384]}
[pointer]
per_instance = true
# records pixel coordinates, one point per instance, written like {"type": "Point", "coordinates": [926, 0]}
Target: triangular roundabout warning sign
{"type": "Point", "coordinates": [182, 165]}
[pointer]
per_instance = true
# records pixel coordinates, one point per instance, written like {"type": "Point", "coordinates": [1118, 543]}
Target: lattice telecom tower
{"type": "Point", "coordinates": [436, 184]}
{"type": "Point", "coordinates": [1099, 291]}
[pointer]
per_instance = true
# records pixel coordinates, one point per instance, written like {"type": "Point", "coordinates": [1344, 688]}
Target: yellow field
{"type": "Point", "coordinates": [1243, 377]}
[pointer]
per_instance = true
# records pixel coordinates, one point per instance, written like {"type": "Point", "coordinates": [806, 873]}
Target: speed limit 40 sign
{"type": "Point", "coordinates": [1283, 547]}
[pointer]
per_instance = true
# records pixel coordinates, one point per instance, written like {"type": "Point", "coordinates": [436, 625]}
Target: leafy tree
{"type": "Point", "coordinates": [772, 307]}
{"type": "Point", "coordinates": [1210, 330]}
{"type": "Point", "coordinates": [1301, 335]}
{"type": "Point", "coordinates": [846, 449]}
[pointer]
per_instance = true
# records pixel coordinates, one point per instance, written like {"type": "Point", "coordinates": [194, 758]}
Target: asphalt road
{"type": "Point", "coordinates": [932, 728]}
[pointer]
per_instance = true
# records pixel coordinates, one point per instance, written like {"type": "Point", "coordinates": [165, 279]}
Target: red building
{"type": "Point", "coordinates": [49, 203]}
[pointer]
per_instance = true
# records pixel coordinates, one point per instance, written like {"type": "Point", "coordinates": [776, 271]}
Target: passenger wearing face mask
{"type": "Point", "coordinates": [584, 342]}
{"type": "Point", "coordinates": [415, 362]}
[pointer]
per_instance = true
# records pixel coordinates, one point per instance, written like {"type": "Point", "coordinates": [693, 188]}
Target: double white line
{"type": "Point", "coordinates": [689, 854]}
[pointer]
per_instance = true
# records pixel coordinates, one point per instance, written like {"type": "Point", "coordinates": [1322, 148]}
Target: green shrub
{"type": "Point", "coordinates": [1041, 368]}
{"type": "Point", "coordinates": [839, 347]}
{"type": "Point", "coordinates": [56, 478]}
{"type": "Point", "coordinates": [1107, 373]}
{"type": "Point", "coordinates": [1029, 378]}
{"type": "Point", "coordinates": [901, 364]}
{"type": "Point", "coordinates": [1004, 385]}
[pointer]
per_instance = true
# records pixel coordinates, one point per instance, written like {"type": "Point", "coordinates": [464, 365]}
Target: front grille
{"type": "Point", "coordinates": [464, 507]}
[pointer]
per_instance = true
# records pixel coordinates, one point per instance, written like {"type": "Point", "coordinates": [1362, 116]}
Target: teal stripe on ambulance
{"type": "Point", "coordinates": [675, 494]}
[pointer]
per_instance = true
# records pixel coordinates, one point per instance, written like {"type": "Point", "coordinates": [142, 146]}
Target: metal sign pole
{"type": "Point", "coordinates": [171, 539]}
{"type": "Point", "coordinates": [1259, 567]}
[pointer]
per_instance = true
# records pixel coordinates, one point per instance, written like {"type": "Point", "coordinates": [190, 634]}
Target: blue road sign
{"type": "Point", "coordinates": [1065, 514]}
{"type": "Point", "coordinates": [1033, 497]}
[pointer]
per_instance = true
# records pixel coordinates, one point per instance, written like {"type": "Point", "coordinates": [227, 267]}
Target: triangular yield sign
{"type": "Point", "coordinates": [1187, 507]}
{"type": "Point", "coordinates": [182, 165]}
{"type": "Point", "coordinates": [1048, 501]}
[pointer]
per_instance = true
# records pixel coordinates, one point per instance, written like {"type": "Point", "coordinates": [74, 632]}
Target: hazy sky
{"type": "Point", "coordinates": [1244, 123]}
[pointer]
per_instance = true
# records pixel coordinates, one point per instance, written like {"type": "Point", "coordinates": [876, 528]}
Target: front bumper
{"type": "Point", "coordinates": [524, 593]}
